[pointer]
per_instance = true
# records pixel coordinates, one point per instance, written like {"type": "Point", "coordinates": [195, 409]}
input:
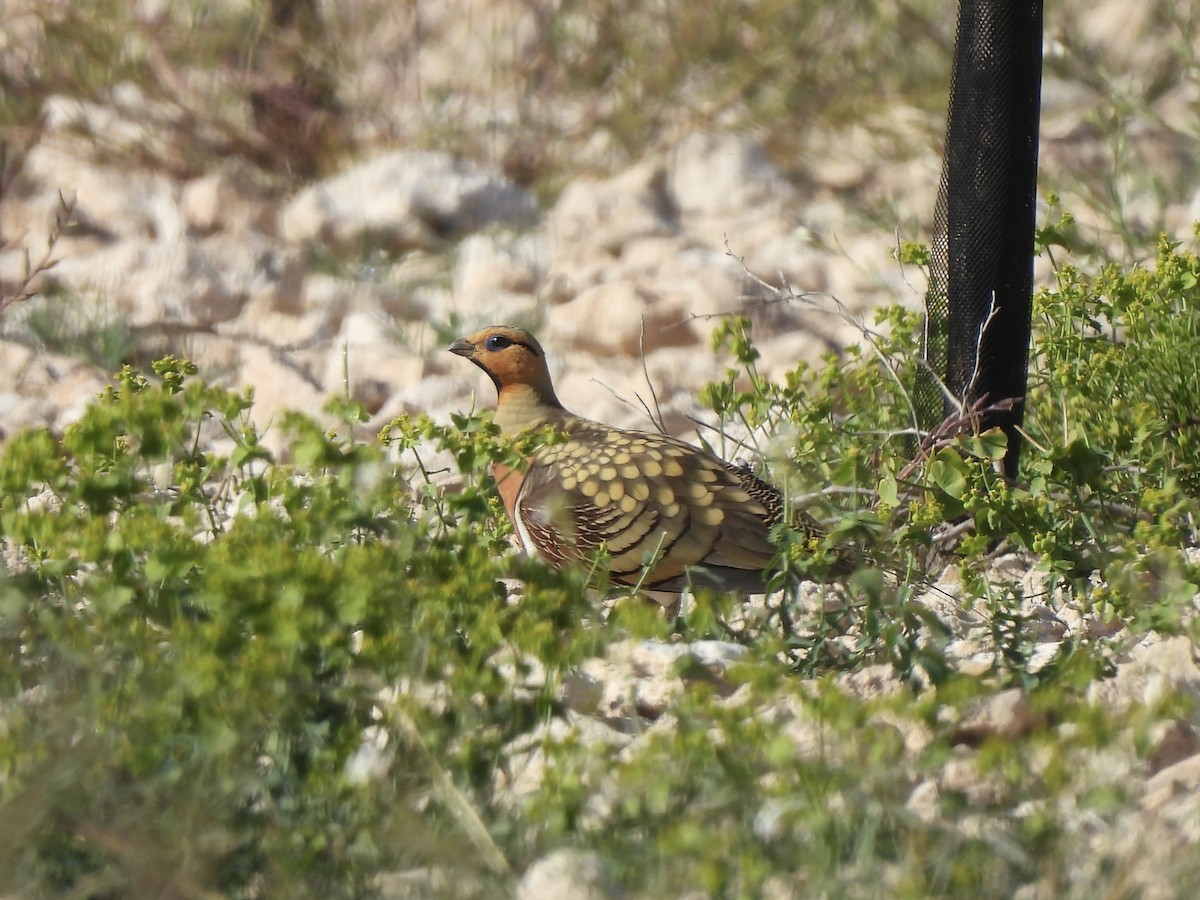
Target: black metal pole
{"type": "Point", "coordinates": [986, 209]}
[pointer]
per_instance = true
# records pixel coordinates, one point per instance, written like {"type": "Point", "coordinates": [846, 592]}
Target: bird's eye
{"type": "Point", "coordinates": [497, 342]}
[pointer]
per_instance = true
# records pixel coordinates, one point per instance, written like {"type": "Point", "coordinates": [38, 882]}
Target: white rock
{"type": "Point", "coordinates": [496, 281]}
{"type": "Point", "coordinates": [616, 318]}
{"type": "Point", "coordinates": [595, 219]}
{"type": "Point", "coordinates": [924, 801]}
{"type": "Point", "coordinates": [403, 199]}
{"type": "Point", "coordinates": [109, 200]}
{"type": "Point", "coordinates": [1007, 714]}
{"type": "Point", "coordinates": [1155, 669]}
{"type": "Point", "coordinates": [718, 655]}
{"type": "Point", "coordinates": [786, 352]}
{"type": "Point", "coordinates": [604, 389]}
{"type": "Point", "coordinates": [71, 391]}
{"type": "Point", "coordinates": [488, 263]}
{"type": "Point", "coordinates": [961, 774]}
{"type": "Point", "coordinates": [372, 759]}
{"type": "Point", "coordinates": [1181, 778]}
{"type": "Point", "coordinates": [195, 282]}
{"type": "Point", "coordinates": [46, 388]}
{"type": "Point", "coordinates": [770, 822]}
{"type": "Point", "coordinates": [522, 767]}
{"type": "Point", "coordinates": [278, 387]}
{"type": "Point", "coordinates": [221, 200]}
{"type": "Point", "coordinates": [718, 174]}
{"type": "Point", "coordinates": [220, 275]}
{"type": "Point", "coordinates": [124, 124]}
{"type": "Point", "coordinates": [566, 875]}
{"type": "Point", "coordinates": [583, 689]}
{"type": "Point", "coordinates": [871, 682]}
{"type": "Point", "coordinates": [436, 395]}
{"type": "Point", "coordinates": [367, 353]}
{"type": "Point", "coordinates": [705, 283]}
{"type": "Point", "coordinates": [639, 680]}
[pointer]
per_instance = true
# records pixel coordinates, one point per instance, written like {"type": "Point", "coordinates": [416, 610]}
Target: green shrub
{"type": "Point", "coordinates": [240, 675]}
{"type": "Point", "coordinates": [1107, 495]}
{"type": "Point", "coordinates": [200, 639]}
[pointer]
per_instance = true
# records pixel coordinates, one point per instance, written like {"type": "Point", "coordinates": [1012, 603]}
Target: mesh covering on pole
{"type": "Point", "coordinates": [981, 285]}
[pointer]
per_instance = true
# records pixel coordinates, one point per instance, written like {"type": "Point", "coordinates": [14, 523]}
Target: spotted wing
{"type": "Point", "coordinates": [665, 512]}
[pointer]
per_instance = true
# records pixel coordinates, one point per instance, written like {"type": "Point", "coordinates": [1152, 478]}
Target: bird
{"type": "Point", "coordinates": [670, 516]}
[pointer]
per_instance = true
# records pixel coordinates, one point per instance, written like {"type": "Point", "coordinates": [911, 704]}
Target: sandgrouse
{"type": "Point", "coordinates": [669, 515]}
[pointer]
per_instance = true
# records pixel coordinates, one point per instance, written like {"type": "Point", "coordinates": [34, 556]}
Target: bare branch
{"type": "Point", "coordinates": [23, 288]}
{"type": "Point", "coordinates": [656, 416]}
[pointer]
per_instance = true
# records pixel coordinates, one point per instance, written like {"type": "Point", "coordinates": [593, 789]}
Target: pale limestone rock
{"type": "Point", "coordinates": [222, 201]}
{"type": "Point", "coordinates": [220, 275]}
{"type": "Point", "coordinates": [567, 875]}
{"type": "Point", "coordinates": [974, 657]}
{"type": "Point", "coordinates": [718, 656]}
{"type": "Point", "coordinates": [1084, 623]}
{"type": "Point", "coordinates": [1121, 30]}
{"type": "Point", "coordinates": [437, 395]}
{"type": "Point", "coordinates": [614, 390]}
{"type": "Point", "coordinates": [582, 688]}
{"type": "Point", "coordinates": [871, 682]}
{"type": "Point", "coordinates": [403, 199]}
{"type": "Point", "coordinates": [110, 202]}
{"type": "Point", "coordinates": [861, 274]}
{"type": "Point", "coordinates": [1155, 669]}
{"type": "Point", "coordinates": [308, 318]}
{"type": "Point", "coordinates": [942, 597]}
{"type": "Point", "coordinates": [771, 823]}
{"type": "Point", "coordinates": [71, 391]}
{"type": "Point", "coordinates": [499, 308]}
{"type": "Point", "coordinates": [1008, 714]}
{"type": "Point", "coordinates": [595, 219]}
{"type": "Point", "coordinates": [924, 801]}
{"type": "Point", "coordinates": [606, 390]}
{"type": "Point", "coordinates": [638, 681]}
{"type": "Point", "coordinates": [617, 318]}
{"type": "Point", "coordinates": [705, 283]}
{"type": "Point", "coordinates": [1043, 655]}
{"type": "Point", "coordinates": [17, 412]}
{"type": "Point", "coordinates": [129, 122]}
{"type": "Point", "coordinates": [194, 284]}
{"type": "Point", "coordinates": [366, 352]}
{"type": "Point", "coordinates": [790, 259]}
{"type": "Point", "coordinates": [522, 766]}
{"type": "Point", "coordinates": [730, 196]}
{"type": "Point", "coordinates": [44, 388]}
{"type": "Point", "coordinates": [960, 774]}
{"type": "Point", "coordinates": [1181, 778]}
{"type": "Point", "coordinates": [446, 882]}
{"type": "Point", "coordinates": [489, 264]}
{"type": "Point", "coordinates": [524, 673]}
{"type": "Point", "coordinates": [677, 374]}
{"type": "Point", "coordinates": [716, 175]}
{"type": "Point", "coordinates": [640, 260]}
{"type": "Point", "coordinates": [1173, 742]}
{"type": "Point", "coordinates": [808, 735]}
{"type": "Point", "coordinates": [407, 70]}
{"type": "Point", "coordinates": [793, 886]}
{"type": "Point", "coordinates": [786, 352]}
{"type": "Point", "coordinates": [278, 388]}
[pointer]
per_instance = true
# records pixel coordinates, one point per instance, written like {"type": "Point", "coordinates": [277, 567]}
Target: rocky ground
{"type": "Point", "coordinates": [275, 292]}
{"type": "Point", "coordinates": [642, 261]}
{"type": "Point", "coordinates": [621, 274]}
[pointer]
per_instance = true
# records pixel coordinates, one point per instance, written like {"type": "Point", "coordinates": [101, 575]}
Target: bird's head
{"type": "Point", "coordinates": [513, 359]}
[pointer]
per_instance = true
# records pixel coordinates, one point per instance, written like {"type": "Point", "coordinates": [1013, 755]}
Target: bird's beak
{"type": "Point", "coordinates": [462, 347]}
